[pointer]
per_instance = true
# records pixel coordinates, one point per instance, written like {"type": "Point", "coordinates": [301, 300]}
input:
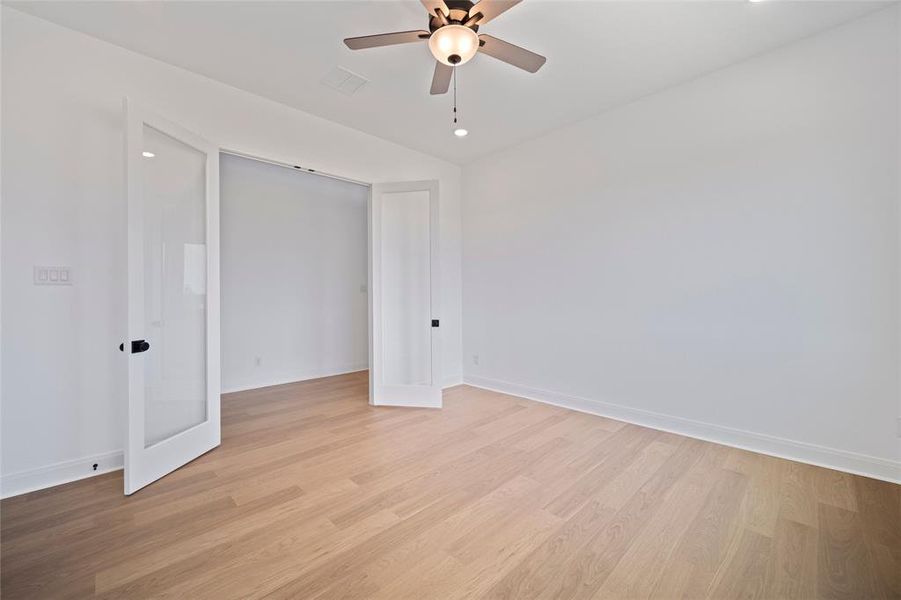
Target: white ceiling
{"type": "Point", "coordinates": [600, 54]}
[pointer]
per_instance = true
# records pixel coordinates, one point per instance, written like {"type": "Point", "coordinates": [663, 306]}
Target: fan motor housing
{"type": "Point", "coordinates": [458, 14]}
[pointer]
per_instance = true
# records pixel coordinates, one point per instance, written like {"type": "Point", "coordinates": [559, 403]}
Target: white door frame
{"type": "Point", "coordinates": [144, 465]}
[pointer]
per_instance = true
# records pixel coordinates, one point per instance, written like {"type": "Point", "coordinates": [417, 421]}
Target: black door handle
{"type": "Point", "coordinates": [136, 346]}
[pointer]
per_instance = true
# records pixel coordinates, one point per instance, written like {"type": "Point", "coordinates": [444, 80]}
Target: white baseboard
{"type": "Point", "coordinates": [23, 482]}
{"type": "Point", "coordinates": [449, 381]}
{"type": "Point", "coordinates": [821, 456]}
{"type": "Point", "coordinates": [253, 385]}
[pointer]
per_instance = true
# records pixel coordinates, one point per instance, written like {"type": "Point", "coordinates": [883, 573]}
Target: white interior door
{"type": "Point", "coordinates": [406, 361]}
{"type": "Point", "coordinates": [173, 297]}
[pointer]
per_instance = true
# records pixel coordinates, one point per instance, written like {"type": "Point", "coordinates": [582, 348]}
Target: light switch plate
{"type": "Point", "coordinates": [52, 275]}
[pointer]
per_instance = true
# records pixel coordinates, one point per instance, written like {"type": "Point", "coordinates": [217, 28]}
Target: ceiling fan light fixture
{"type": "Point", "coordinates": [453, 39]}
{"type": "Point", "coordinates": [454, 44]}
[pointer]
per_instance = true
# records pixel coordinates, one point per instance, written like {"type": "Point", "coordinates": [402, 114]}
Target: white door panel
{"type": "Point", "coordinates": [173, 297]}
{"type": "Point", "coordinates": [405, 322]}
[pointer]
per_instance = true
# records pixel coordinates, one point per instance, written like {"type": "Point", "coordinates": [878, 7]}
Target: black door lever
{"type": "Point", "coordinates": [136, 346]}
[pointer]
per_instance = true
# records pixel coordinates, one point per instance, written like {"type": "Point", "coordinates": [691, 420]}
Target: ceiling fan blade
{"type": "Point", "coordinates": [512, 54]}
{"type": "Point", "coordinates": [490, 9]}
{"type": "Point", "coordinates": [441, 79]}
{"type": "Point", "coordinates": [386, 39]}
{"type": "Point", "coordinates": [432, 5]}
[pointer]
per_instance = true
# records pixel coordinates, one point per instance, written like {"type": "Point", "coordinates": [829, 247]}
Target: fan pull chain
{"type": "Point", "coordinates": [455, 95]}
{"type": "Point", "coordinates": [458, 131]}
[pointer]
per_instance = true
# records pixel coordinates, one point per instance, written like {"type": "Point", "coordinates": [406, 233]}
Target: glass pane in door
{"type": "Point", "coordinates": [406, 285]}
{"type": "Point", "coordinates": [174, 201]}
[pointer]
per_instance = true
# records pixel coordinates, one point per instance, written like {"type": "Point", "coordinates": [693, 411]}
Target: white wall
{"type": "Point", "coordinates": [294, 267]}
{"type": "Point", "coordinates": [719, 259]}
{"type": "Point", "coordinates": [63, 395]}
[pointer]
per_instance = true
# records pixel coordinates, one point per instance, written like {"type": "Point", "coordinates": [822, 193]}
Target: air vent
{"type": "Point", "coordinates": [344, 81]}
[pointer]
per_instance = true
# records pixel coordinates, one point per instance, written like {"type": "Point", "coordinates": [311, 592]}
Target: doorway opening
{"type": "Point", "coordinates": [294, 274]}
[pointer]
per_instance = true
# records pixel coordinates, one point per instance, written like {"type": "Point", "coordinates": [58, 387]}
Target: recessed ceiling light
{"type": "Point", "coordinates": [460, 132]}
{"type": "Point", "coordinates": [755, 1]}
{"type": "Point", "coordinates": [146, 154]}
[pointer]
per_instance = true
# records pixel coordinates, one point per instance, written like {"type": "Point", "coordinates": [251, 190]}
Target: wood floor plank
{"type": "Point", "coordinates": [846, 568]}
{"type": "Point", "coordinates": [151, 558]}
{"type": "Point", "coordinates": [888, 566]}
{"type": "Point", "coordinates": [879, 506]}
{"type": "Point", "coordinates": [761, 504]}
{"type": "Point", "coordinates": [315, 494]}
{"type": "Point", "coordinates": [794, 561]}
{"type": "Point", "coordinates": [835, 488]}
{"type": "Point", "coordinates": [799, 494]}
{"type": "Point", "coordinates": [624, 447]}
{"type": "Point", "coordinates": [457, 530]}
{"type": "Point", "coordinates": [637, 573]}
{"type": "Point", "coordinates": [596, 560]}
{"type": "Point", "coordinates": [706, 544]}
{"type": "Point", "coordinates": [537, 571]}
{"type": "Point", "coordinates": [749, 571]}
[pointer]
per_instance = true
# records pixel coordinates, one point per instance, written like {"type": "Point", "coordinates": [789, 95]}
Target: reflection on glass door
{"type": "Point", "coordinates": [174, 197]}
{"type": "Point", "coordinates": [406, 281]}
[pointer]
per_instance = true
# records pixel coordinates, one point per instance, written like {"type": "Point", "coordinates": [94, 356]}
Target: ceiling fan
{"type": "Point", "coordinates": [453, 38]}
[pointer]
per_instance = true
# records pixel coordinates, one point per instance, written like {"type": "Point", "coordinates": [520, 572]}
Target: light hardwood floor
{"type": "Point", "coordinates": [315, 494]}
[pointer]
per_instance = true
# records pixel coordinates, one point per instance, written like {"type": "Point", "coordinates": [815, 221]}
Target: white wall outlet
{"type": "Point", "coordinates": [475, 359]}
{"type": "Point", "coordinates": [899, 426]}
{"type": "Point", "coordinates": [52, 275]}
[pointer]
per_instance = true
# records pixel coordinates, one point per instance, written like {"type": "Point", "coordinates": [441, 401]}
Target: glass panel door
{"type": "Point", "coordinates": [406, 302]}
{"type": "Point", "coordinates": [173, 297]}
{"type": "Point", "coordinates": [405, 323]}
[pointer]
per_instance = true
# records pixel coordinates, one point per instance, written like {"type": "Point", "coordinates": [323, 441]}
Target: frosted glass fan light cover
{"type": "Point", "coordinates": [453, 40]}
